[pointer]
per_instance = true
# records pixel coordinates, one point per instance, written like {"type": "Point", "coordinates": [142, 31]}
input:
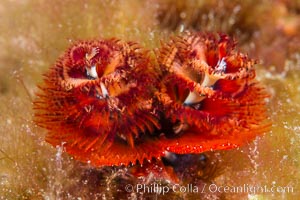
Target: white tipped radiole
{"type": "Point", "coordinates": [208, 81]}
{"type": "Point", "coordinates": [193, 98]}
{"type": "Point", "coordinates": [92, 72]}
{"type": "Point", "coordinates": [104, 90]}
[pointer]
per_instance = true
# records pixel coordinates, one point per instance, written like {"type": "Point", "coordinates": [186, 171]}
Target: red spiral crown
{"type": "Point", "coordinates": [209, 94]}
